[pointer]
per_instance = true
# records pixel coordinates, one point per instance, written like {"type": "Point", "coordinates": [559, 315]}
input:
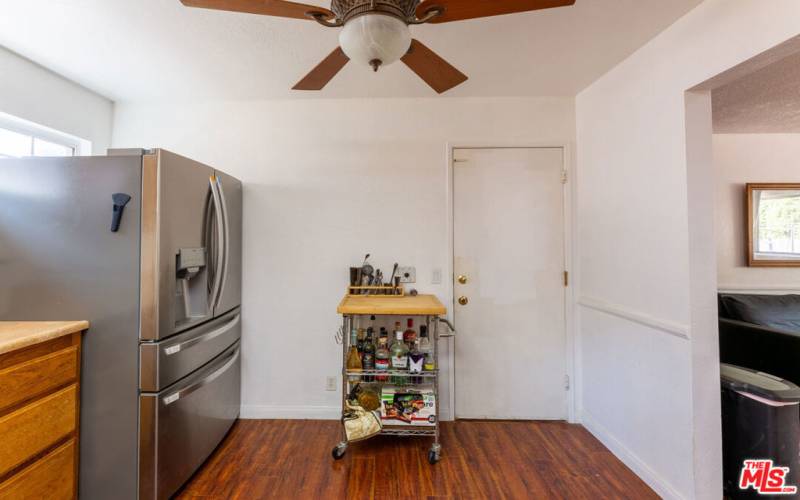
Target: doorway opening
{"type": "Point", "coordinates": [743, 128]}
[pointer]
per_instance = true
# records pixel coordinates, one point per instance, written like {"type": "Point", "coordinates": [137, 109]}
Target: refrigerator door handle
{"type": "Point", "coordinates": [226, 239]}
{"type": "Point", "coordinates": [173, 349]}
{"type": "Point", "coordinates": [216, 286]}
{"type": "Point", "coordinates": [175, 396]}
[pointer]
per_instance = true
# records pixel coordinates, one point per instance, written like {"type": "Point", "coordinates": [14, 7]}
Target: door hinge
{"type": "Point", "coordinates": [566, 278]}
{"type": "Point", "coordinates": [563, 177]}
{"type": "Point", "coordinates": [566, 382]}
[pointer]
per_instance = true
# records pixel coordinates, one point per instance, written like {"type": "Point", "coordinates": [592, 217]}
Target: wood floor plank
{"type": "Point", "coordinates": [291, 459]}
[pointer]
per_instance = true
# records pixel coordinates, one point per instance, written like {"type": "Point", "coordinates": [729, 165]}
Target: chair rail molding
{"type": "Point", "coordinates": [673, 328]}
{"type": "Point", "coordinates": [764, 289]}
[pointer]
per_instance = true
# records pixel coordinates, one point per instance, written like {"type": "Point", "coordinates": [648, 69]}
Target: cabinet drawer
{"type": "Point", "coordinates": [51, 477]}
{"type": "Point", "coordinates": [32, 429]}
{"type": "Point", "coordinates": [37, 376]}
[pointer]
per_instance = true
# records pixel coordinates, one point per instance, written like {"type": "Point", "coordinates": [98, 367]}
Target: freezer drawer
{"type": "Point", "coordinates": [181, 426]}
{"type": "Point", "coordinates": [163, 363]}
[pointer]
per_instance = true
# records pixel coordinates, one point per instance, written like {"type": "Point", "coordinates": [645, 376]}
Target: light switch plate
{"type": "Point", "coordinates": [436, 279]}
{"type": "Point", "coordinates": [408, 274]}
{"type": "Point", "coordinates": [330, 384]}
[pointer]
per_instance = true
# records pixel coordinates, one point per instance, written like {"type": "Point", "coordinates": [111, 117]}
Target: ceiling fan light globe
{"type": "Point", "coordinates": [372, 37]}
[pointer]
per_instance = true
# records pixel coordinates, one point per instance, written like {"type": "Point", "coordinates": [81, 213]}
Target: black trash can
{"type": "Point", "coordinates": [760, 420]}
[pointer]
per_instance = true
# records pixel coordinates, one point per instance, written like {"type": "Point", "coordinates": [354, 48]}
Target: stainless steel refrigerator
{"type": "Point", "coordinates": [146, 245]}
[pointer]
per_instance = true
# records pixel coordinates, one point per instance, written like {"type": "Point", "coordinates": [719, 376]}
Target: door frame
{"type": "Point", "coordinates": [572, 351]}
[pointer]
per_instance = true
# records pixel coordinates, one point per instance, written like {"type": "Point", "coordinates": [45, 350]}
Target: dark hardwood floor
{"type": "Point", "coordinates": [290, 459]}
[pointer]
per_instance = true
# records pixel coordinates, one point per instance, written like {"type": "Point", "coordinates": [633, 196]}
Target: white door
{"type": "Point", "coordinates": [508, 242]}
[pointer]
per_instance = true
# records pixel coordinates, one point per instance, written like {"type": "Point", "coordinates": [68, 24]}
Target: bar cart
{"type": "Point", "coordinates": [353, 309]}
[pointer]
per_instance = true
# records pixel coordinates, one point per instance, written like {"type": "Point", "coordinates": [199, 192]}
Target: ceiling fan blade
{"type": "Point", "coordinates": [280, 8]}
{"type": "Point", "coordinates": [318, 77]}
{"type": "Point", "coordinates": [436, 72]}
{"type": "Point", "coordinates": [458, 10]}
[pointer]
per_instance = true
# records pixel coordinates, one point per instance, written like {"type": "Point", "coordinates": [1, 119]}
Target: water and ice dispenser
{"type": "Point", "coordinates": [192, 279]}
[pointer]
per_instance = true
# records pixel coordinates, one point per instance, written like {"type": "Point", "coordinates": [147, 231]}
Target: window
{"type": "Point", "coordinates": [778, 222]}
{"type": "Point", "coordinates": [20, 138]}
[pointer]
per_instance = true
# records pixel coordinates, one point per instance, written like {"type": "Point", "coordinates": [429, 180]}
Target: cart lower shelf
{"type": "Point", "coordinates": [419, 431]}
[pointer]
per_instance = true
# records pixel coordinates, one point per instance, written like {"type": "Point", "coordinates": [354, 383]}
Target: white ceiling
{"type": "Point", "coordinates": [158, 49]}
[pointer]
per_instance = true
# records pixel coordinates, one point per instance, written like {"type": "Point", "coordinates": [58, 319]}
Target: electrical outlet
{"type": "Point", "coordinates": [330, 383]}
{"type": "Point", "coordinates": [437, 276]}
{"type": "Point", "coordinates": [408, 274]}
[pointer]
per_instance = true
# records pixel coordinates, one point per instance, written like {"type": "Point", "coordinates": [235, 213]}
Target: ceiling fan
{"type": "Point", "coordinates": [376, 33]}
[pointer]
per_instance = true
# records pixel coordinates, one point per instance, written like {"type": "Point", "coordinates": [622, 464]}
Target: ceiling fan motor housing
{"type": "Point", "coordinates": [345, 10]}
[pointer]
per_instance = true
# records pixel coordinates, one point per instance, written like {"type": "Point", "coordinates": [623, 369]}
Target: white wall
{"type": "Point", "coordinates": [34, 93]}
{"type": "Point", "coordinates": [649, 345]}
{"type": "Point", "coordinates": [325, 182]}
{"type": "Point", "coordinates": [739, 159]}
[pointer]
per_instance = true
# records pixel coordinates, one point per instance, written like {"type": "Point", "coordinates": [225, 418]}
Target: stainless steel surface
{"type": "Point", "coordinates": [128, 151]}
{"type": "Point", "coordinates": [215, 239]}
{"type": "Point", "coordinates": [183, 392]}
{"type": "Point", "coordinates": [58, 260]}
{"type": "Point", "coordinates": [226, 237]}
{"type": "Point", "coordinates": [231, 287]}
{"type": "Point", "coordinates": [148, 259]}
{"type": "Point", "coordinates": [163, 363]}
{"type": "Point", "coordinates": [187, 421]}
{"type": "Point", "coordinates": [182, 194]}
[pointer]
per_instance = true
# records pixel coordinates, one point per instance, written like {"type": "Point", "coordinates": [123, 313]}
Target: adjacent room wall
{"type": "Point", "coordinates": [649, 347]}
{"type": "Point", "coordinates": [326, 181]}
{"type": "Point", "coordinates": [739, 159]}
{"type": "Point", "coordinates": [33, 93]}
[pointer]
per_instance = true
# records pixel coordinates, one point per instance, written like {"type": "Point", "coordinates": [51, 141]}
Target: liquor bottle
{"type": "Point", "coordinates": [368, 355]}
{"type": "Point", "coordinates": [369, 342]}
{"type": "Point", "coordinates": [409, 336]}
{"type": "Point", "coordinates": [395, 332]}
{"type": "Point", "coordinates": [399, 353]}
{"type": "Point", "coordinates": [416, 361]}
{"type": "Point", "coordinates": [360, 341]}
{"type": "Point", "coordinates": [381, 359]}
{"type": "Point", "coordinates": [426, 348]}
{"type": "Point", "coordinates": [353, 358]}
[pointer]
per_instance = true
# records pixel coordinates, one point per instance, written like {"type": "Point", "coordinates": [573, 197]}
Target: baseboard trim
{"type": "Point", "coordinates": [290, 412]}
{"type": "Point", "coordinates": [671, 327]}
{"type": "Point", "coordinates": [660, 485]}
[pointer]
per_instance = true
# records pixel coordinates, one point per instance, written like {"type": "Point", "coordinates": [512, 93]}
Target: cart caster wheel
{"type": "Point", "coordinates": [433, 457]}
{"type": "Point", "coordinates": [338, 451]}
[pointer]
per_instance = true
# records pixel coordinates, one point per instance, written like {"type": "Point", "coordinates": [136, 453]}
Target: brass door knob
{"type": "Point", "coordinates": [463, 300]}
{"type": "Point", "coordinates": [462, 279]}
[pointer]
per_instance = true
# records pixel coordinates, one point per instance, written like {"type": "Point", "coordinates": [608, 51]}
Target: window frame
{"type": "Point", "coordinates": [80, 147]}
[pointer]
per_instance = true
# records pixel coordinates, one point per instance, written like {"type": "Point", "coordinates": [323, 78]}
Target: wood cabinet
{"type": "Point", "coordinates": [39, 411]}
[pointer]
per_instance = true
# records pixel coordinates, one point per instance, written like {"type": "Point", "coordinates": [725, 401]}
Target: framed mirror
{"type": "Point", "coordinates": [773, 225]}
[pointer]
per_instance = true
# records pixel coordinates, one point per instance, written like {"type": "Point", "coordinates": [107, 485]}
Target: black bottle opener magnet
{"type": "Point", "coordinates": [120, 200]}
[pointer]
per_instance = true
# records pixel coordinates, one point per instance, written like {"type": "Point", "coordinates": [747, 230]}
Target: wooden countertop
{"type": "Point", "coordinates": [407, 305]}
{"type": "Point", "coordinates": [18, 334]}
